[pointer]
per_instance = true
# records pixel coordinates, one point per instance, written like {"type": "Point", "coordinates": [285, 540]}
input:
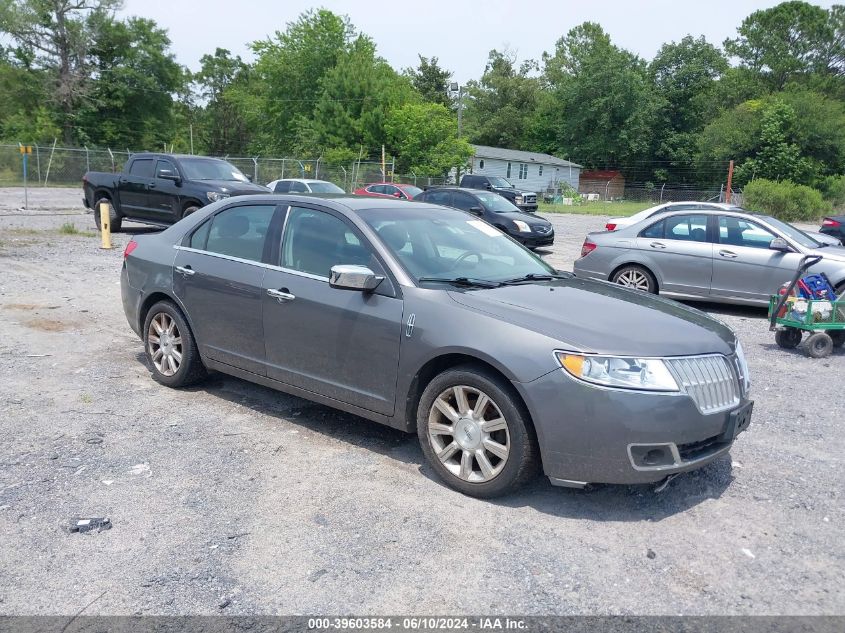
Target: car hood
{"type": "Point", "coordinates": [830, 254]}
{"type": "Point", "coordinates": [514, 190]}
{"type": "Point", "coordinates": [528, 218]}
{"type": "Point", "coordinates": [598, 317]}
{"type": "Point", "coordinates": [234, 187]}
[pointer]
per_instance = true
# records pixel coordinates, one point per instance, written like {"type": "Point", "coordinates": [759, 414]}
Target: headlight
{"type": "Point", "coordinates": [214, 196]}
{"type": "Point", "coordinates": [518, 199]}
{"type": "Point", "coordinates": [646, 374]}
{"type": "Point", "coordinates": [743, 368]}
{"type": "Point", "coordinates": [522, 227]}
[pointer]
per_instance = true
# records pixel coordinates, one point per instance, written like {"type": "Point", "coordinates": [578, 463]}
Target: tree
{"type": "Point", "coordinates": [224, 129]}
{"type": "Point", "coordinates": [601, 106]}
{"type": "Point", "coordinates": [134, 77]}
{"type": "Point", "coordinates": [431, 81]}
{"type": "Point", "coordinates": [787, 42]}
{"type": "Point", "coordinates": [424, 137]}
{"type": "Point", "coordinates": [56, 36]}
{"type": "Point", "coordinates": [286, 80]}
{"type": "Point", "coordinates": [355, 99]}
{"type": "Point", "coordinates": [500, 104]}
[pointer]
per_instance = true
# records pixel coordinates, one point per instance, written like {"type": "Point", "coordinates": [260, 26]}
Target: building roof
{"type": "Point", "coordinates": [607, 174]}
{"type": "Point", "coordinates": [516, 155]}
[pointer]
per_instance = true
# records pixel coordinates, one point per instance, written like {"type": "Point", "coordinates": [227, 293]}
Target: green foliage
{"type": "Point", "coordinates": [423, 136]}
{"type": "Point", "coordinates": [784, 200]}
{"type": "Point", "coordinates": [833, 190]}
{"type": "Point", "coordinates": [222, 127]}
{"type": "Point", "coordinates": [431, 81]}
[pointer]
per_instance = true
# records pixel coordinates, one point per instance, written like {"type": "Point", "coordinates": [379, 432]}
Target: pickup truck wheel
{"type": "Point", "coordinates": [189, 211]}
{"type": "Point", "coordinates": [115, 221]}
{"type": "Point", "coordinates": [475, 434]}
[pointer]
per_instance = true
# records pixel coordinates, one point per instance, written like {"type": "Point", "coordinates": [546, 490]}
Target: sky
{"type": "Point", "coordinates": [459, 34]}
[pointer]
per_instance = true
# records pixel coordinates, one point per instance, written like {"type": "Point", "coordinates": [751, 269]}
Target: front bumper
{"type": "Point", "coordinates": [535, 239]}
{"type": "Point", "coordinates": [529, 207]}
{"type": "Point", "coordinates": [592, 434]}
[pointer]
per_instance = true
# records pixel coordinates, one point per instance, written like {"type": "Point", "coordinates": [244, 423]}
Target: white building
{"type": "Point", "coordinates": [528, 170]}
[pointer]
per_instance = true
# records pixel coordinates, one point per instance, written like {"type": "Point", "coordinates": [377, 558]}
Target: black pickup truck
{"type": "Point", "coordinates": [161, 189]}
{"type": "Point", "coordinates": [525, 200]}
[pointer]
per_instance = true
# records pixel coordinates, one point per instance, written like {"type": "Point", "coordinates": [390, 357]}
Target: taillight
{"type": "Point", "coordinates": [609, 227]}
{"type": "Point", "coordinates": [129, 248]}
{"type": "Point", "coordinates": [587, 248]}
{"type": "Point", "coordinates": [830, 222]}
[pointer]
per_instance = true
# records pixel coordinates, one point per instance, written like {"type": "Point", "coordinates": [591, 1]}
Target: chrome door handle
{"type": "Point", "coordinates": [657, 245]}
{"type": "Point", "coordinates": [282, 295]}
{"type": "Point", "coordinates": [185, 271]}
{"type": "Point", "coordinates": [728, 254]}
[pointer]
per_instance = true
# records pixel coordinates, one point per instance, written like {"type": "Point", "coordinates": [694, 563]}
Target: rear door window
{"type": "Point", "coordinates": [240, 232]}
{"type": "Point", "coordinates": [464, 201]}
{"type": "Point", "coordinates": [688, 228]}
{"type": "Point", "coordinates": [439, 197]}
{"type": "Point", "coordinates": [142, 168]}
{"type": "Point", "coordinates": [655, 231]}
{"type": "Point", "coordinates": [282, 187]}
{"type": "Point", "coordinates": [298, 187]}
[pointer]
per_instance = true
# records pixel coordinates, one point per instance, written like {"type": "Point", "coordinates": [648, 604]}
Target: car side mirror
{"type": "Point", "coordinates": [353, 277]}
{"type": "Point", "coordinates": [169, 174]}
{"type": "Point", "coordinates": [488, 186]}
{"type": "Point", "coordinates": [476, 210]}
{"type": "Point", "coordinates": [780, 244]}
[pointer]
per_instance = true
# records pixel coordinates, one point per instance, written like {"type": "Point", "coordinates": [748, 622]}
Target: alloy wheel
{"type": "Point", "coordinates": [164, 343]}
{"type": "Point", "coordinates": [469, 434]}
{"type": "Point", "coordinates": [632, 278]}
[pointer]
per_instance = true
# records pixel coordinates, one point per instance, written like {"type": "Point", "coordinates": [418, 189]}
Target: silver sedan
{"type": "Point", "coordinates": [724, 256]}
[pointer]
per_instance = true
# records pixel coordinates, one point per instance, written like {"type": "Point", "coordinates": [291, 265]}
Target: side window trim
{"type": "Point", "coordinates": [273, 233]}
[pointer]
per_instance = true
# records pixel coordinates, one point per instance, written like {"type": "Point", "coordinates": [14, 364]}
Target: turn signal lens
{"type": "Point", "coordinates": [609, 227]}
{"type": "Point", "coordinates": [646, 374]}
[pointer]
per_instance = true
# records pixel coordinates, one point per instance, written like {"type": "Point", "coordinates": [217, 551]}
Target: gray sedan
{"type": "Point", "coordinates": [432, 321]}
{"type": "Point", "coordinates": [724, 256]}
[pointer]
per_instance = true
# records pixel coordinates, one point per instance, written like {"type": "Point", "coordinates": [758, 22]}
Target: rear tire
{"type": "Point", "coordinates": [482, 450]}
{"type": "Point", "coordinates": [788, 338]}
{"type": "Point", "coordinates": [838, 337]}
{"type": "Point", "coordinates": [819, 345]}
{"type": "Point", "coordinates": [170, 347]}
{"type": "Point", "coordinates": [635, 277]}
{"type": "Point", "coordinates": [115, 220]}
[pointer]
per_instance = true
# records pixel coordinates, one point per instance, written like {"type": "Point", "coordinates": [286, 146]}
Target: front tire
{"type": "Point", "coordinates": [115, 220]}
{"type": "Point", "coordinates": [635, 277]}
{"type": "Point", "coordinates": [475, 434]}
{"type": "Point", "coordinates": [170, 347]}
{"type": "Point", "coordinates": [189, 210]}
{"type": "Point", "coordinates": [788, 338]}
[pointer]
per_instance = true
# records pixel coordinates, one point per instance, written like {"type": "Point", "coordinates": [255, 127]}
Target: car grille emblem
{"type": "Point", "coordinates": [409, 329]}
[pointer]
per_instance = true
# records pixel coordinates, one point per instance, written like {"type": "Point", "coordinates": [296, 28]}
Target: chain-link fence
{"type": "Point", "coordinates": [65, 166]}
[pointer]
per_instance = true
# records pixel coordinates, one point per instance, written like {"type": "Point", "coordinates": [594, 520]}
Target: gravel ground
{"type": "Point", "coordinates": [231, 498]}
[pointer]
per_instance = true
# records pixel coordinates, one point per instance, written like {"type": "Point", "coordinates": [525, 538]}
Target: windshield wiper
{"type": "Point", "coordinates": [466, 282]}
{"type": "Point", "coordinates": [536, 277]}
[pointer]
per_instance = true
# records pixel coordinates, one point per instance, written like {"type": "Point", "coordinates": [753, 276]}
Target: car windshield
{"type": "Point", "coordinates": [497, 204]}
{"type": "Point", "coordinates": [325, 187]}
{"type": "Point", "coordinates": [211, 169]}
{"type": "Point", "coordinates": [796, 235]}
{"type": "Point", "coordinates": [449, 244]}
{"type": "Point", "coordinates": [498, 181]}
{"type": "Point", "coordinates": [411, 191]}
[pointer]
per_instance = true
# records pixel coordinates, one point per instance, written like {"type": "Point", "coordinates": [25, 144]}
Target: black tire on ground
{"type": "Point", "coordinates": [819, 345]}
{"type": "Point", "coordinates": [521, 461]}
{"type": "Point", "coordinates": [115, 220]}
{"type": "Point", "coordinates": [189, 210]}
{"type": "Point", "coordinates": [635, 277]}
{"type": "Point", "coordinates": [837, 336]}
{"type": "Point", "coordinates": [190, 368]}
{"type": "Point", "coordinates": [788, 338]}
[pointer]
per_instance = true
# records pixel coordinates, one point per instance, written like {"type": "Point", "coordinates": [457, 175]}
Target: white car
{"type": "Point", "coordinates": [303, 185]}
{"type": "Point", "coordinates": [615, 224]}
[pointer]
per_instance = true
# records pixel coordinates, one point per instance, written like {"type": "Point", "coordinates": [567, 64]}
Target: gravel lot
{"type": "Point", "coordinates": [231, 498]}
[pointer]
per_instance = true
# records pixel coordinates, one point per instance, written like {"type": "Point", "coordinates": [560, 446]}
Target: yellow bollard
{"type": "Point", "coordinates": [105, 226]}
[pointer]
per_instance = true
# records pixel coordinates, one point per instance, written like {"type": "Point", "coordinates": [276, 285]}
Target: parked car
{"type": "Point", "coordinates": [303, 185]}
{"type": "Point", "coordinates": [525, 200]}
{"type": "Point", "coordinates": [431, 321]}
{"type": "Point", "coordinates": [834, 226]}
{"type": "Point", "coordinates": [530, 230]}
{"type": "Point", "coordinates": [163, 188]}
{"type": "Point", "coordinates": [725, 256]}
{"type": "Point", "coordinates": [389, 190]}
{"type": "Point", "coordinates": [615, 224]}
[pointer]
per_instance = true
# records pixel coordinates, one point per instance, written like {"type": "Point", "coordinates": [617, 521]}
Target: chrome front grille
{"type": "Point", "coordinates": [542, 230]}
{"type": "Point", "coordinates": [710, 381]}
{"type": "Point", "coordinates": [529, 198]}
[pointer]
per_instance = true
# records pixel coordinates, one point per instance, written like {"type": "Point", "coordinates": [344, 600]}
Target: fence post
{"type": "Point", "coordinates": [661, 192]}
{"type": "Point", "coordinates": [255, 169]}
{"type": "Point", "coordinates": [607, 191]}
{"type": "Point", "coordinates": [38, 163]}
{"type": "Point", "coordinates": [344, 177]}
{"type": "Point", "coordinates": [317, 168]}
{"type": "Point", "coordinates": [414, 174]}
{"type": "Point", "coordinates": [283, 169]}
{"type": "Point", "coordinates": [112, 160]}
{"type": "Point", "coordinates": [50, 162]}
{"type": "Point", "coordinates": [87, 159]}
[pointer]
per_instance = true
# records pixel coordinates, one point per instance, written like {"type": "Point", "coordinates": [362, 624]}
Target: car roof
{"type": "Point", "coordinates": [342, 202]}
{"type": "Point", "coordinates": [470, 191]}
{"type": "Point", "coordinates": [305, 180]}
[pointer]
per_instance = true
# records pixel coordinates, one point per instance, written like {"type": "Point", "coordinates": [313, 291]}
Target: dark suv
{"type": "Point", "coordinates": [525, 200]}
{"type": "Point", "coordinates": [528, 229]}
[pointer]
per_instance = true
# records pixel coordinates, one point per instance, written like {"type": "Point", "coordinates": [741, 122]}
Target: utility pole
{"type": "Point", "coordinates": [728, 193]}
{"type": "Point", "coordinates": [456, 87]}
{"type": "Point", "coordinates": [191, 128]}
{"type": "Point", "coordinates": [383, 167]}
